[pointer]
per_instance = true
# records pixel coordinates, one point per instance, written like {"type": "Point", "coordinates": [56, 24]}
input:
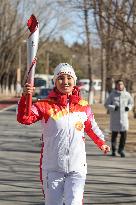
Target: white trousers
{"type": "Point", "coordinates": [61, 188]}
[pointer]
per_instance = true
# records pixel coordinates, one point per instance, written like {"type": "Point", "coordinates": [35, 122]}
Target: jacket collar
{"type": "Point", "coordinates": [63, 99]}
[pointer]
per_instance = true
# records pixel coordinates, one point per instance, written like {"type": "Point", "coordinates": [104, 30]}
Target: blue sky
{"type": "Point", "coordinates": [71, 34]}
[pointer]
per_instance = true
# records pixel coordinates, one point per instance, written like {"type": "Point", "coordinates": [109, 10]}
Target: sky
{"type": "Point", "coordinates": [71, 34]}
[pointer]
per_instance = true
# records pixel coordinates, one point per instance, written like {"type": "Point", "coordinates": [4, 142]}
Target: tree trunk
{"type": "Point", "coordinates": [90, 97]}
{"type": "Point", "coordinates": [103, 74]}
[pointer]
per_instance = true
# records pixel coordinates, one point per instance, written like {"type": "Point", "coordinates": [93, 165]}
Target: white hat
{"type": "Point", "coordinates": [64, 68]}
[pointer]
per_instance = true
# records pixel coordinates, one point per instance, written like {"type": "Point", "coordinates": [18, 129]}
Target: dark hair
{"type": "Point", "coordinates": [117, 81]}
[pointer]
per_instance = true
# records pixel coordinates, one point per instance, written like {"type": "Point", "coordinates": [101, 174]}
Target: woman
{"type": "Point", "coordinates": [65, 118]}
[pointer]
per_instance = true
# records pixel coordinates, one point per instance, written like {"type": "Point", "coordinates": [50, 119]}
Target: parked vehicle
{"type": "Point", "coordinates": [97, 84]}
{"type": "Point", "coordinates": [42, 81]}
{"type": "Point", "coordinates": [84, 84]}
{"type": "Point", "coordinates": [44, 92]}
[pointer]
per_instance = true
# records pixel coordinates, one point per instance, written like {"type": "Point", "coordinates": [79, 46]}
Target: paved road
{"type": "Point", "coordinates": [7, 102]}
{"type": "Point", "coordinates": [109, 181]}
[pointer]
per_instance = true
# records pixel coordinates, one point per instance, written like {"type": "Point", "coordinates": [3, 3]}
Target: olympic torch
{"type": "Point", "coordinates": [32, 46]}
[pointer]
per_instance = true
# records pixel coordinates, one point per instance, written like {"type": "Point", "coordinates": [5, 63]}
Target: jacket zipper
{"type": "Point", "coordinates": [67, 152]}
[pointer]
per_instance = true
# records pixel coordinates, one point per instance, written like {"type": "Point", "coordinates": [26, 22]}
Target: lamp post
{"type": "Point", "coordinates": [19, 65]}
{"type": "Point", "coordinates": [72, 59]}
{"type": "Point", "coordinates": [48, 62]}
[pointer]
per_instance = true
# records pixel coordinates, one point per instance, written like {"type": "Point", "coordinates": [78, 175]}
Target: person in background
{"type": "Point", "coordinates": [119, 103]}
{"type": "Point", "coordinates": [65, 118]}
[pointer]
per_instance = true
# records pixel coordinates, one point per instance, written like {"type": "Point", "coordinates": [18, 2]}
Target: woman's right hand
{"type": "Point", "coordinates": [28, 89]}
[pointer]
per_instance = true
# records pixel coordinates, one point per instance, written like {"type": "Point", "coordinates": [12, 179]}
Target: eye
{"type": "Point", "coordinates": [60, 78]}
{"type": "Point", "coordinates": [69, 77]}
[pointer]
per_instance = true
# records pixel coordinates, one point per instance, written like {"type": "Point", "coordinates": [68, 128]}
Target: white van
{"type": "Point", "coordinates": [84, 84]}
{"type": "Point", "coordinates": [42, 81]}
{"type": "Point", "coordinates": [97, 84]}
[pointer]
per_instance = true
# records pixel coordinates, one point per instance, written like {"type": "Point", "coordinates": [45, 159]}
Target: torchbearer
{"type": "Point", "coordinates": [65, 118]}
{"type": "Point", "coordinates": [32, 46]}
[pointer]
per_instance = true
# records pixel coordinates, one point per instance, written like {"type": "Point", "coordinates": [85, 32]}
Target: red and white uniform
{"type": "Point", "coordinates": [65, 120]}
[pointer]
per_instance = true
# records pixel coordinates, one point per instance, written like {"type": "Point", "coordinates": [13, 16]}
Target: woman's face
{"type": "Point", "coordinates": [65, 84]}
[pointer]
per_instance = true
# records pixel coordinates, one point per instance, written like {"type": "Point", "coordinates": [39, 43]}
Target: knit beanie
{"type": "Point", "coordinates": [64, 68]}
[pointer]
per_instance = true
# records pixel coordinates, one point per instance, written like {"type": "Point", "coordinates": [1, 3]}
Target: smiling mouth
{"type": "Point", "coordinates": [65, 87]}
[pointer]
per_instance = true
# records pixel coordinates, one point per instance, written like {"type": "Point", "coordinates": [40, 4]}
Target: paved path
{"type": "Point", "coordinates": [7, 102]}
{"type": "Point", "coordinates": [109, 181]}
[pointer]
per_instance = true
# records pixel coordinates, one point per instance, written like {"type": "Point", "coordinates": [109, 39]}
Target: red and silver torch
{"type": "Point", "coordinates": [32, 46]}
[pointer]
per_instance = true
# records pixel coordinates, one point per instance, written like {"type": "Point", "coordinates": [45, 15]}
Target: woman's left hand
{"type": "Point", "coordinates": [105, 148]}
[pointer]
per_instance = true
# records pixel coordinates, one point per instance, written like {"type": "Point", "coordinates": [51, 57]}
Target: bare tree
{"type": "Point", "coordinates": [86, 8]}
{"type": "Point", "coordinates": [82, 11]}
{"type": "Point", "coordinates": [14, 15]}
{"type": "Point", "coordinates": [116, 29]}
{"type": "Point", "coordinates": [8, 45]}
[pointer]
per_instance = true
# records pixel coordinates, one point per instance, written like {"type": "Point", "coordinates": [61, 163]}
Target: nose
{"type": "Point", "coordinates": [65, 80]}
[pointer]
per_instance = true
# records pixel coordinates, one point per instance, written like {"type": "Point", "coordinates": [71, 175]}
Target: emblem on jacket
{"type": "Point", "coordinates": [79, 126]}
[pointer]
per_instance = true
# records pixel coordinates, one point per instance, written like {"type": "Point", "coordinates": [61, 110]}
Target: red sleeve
{"type": "Point", "coordinates": [21, 114]}
{"type": "Point", "coordinates": [92, 129]}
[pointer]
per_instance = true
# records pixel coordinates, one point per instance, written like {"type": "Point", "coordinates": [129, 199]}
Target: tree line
{"type": "Point", "coordinates": [106, 29]}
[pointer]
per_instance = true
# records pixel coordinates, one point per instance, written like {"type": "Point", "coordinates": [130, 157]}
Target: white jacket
{"type": "Point", "coordinates": [63, 129]}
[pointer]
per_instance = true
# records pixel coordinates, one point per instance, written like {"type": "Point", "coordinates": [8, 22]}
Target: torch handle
{"type": "Point", "coordinates": [28, 104]}
{"type": "Point", "coordinates": [32, 45]}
